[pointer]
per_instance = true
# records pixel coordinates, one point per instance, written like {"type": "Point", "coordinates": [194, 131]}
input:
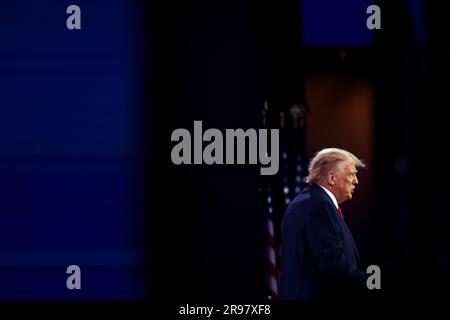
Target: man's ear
{"type": "Point", "coordinates": [331, 178]}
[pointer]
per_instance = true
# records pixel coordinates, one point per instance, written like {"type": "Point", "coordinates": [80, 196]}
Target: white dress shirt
{"type": "Point", "coordinates": [333, 198]}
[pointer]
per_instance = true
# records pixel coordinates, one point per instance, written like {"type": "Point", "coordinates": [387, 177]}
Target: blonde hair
{"type": "Point", "coordinates": [328, 159]}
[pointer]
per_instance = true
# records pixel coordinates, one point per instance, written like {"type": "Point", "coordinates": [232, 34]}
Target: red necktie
{"type": "Point", "coordinates": [340, 212]}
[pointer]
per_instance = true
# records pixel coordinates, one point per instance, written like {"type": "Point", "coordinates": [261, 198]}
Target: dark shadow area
{"type": "Point", "coordinates": [219, 63]}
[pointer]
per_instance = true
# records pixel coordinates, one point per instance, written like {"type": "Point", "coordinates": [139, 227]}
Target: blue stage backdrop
{"type": "Point", "coordinates": [68, 142]}
{"type": "Point", "coordinates": [336, 23]}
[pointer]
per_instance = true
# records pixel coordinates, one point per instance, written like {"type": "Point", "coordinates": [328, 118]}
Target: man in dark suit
{"type": "Point", "coordinates": [319, 259]}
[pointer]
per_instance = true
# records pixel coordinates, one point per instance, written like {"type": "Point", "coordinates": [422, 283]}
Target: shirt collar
{"type": "Point", "coordinates": [331, 195]}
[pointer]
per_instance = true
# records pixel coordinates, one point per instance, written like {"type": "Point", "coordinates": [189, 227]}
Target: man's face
{"type": "Point", "coordinates": [346, 181]}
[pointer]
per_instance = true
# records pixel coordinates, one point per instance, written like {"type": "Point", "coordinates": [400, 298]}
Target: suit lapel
{"type": "Point", "coordinates": [325, 196]}
{"type": "Point", "coordinates": [351, 239]}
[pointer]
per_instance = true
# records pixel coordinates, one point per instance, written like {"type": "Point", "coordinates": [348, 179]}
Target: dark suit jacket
{"type": "Point", "coordinates": [319, 259]}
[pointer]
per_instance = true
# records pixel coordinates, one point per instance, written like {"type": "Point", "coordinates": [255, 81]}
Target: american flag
{"type": "Point", "coordinates": [276, 192]}
{"type": "Point", "coordinates": [272, 246]}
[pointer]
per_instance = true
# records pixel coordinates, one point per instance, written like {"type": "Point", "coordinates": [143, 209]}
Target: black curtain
{"type": "Point", "coordinates": [411, 212]}
{"type": "Point", "coordinates": [218, 62]}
